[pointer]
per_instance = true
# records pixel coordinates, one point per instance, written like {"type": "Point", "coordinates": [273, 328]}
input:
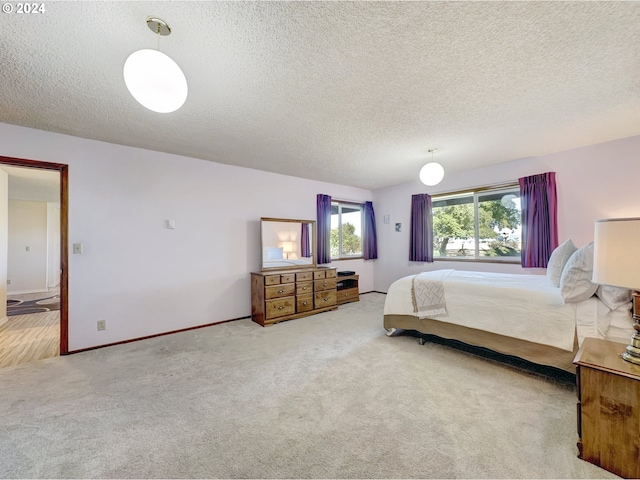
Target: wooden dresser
{"type": "Point", "coordinates": [280, 295]}
{"type": "Point", "coordinates": [608, 407]}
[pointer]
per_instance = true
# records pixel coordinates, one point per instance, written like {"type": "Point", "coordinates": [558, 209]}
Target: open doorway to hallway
{"type": "Point", "coordinates": [33, 325]}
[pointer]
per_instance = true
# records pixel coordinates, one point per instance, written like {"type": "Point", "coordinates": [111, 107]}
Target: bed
{"type": "Point", "coordinates": [525, 316]}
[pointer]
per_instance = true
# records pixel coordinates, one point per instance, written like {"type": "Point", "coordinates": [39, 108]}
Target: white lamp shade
{"type": "Point", "coordinates": [156, 81]}
{"type": "Point", "coordinates": [431, 174]}
{"type": "Point", "coordinates": [616, 256]}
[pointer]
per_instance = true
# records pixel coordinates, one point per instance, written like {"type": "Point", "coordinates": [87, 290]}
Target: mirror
{"type": "Point", "coordinates": [287, 243]}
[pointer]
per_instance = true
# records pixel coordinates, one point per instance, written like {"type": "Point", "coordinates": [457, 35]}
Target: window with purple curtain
{"type": "Point", "coordinates": [370, 240]}
{"type": "Point", "coordinates": [421, 246]}
{"type": "Point", "coordinates": [305, 249]}
{"type": "Point", "coordinates": [539, 203]}
{"type": "Point", "coordinates": [324, 228]}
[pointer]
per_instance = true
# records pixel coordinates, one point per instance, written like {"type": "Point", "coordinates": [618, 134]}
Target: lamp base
{"type": "Point", "coordinates": [632, 353]}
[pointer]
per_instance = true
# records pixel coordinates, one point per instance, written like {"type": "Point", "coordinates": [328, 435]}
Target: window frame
{"type": "Point", "coordinates": [475, 193]}
{"type": "Point", "coordinates": [340, 204]}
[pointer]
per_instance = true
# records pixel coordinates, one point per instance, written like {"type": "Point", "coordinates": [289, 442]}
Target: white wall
{"type": "Point", "coordinates": [53, 244]}
{"type": "Point", "coordinates": [145, 279]}
{"type": "Point", "coordinates": [27, 247]}
{"type": "Point", "coordinates": [594, 182]}
{"type": "Point", "coordinates": [4, 226]}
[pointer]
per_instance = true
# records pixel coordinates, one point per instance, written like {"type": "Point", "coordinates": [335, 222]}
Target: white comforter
{"type": "Point", "coordinates": [527, 307]}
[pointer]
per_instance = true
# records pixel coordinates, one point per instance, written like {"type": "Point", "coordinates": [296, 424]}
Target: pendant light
{"type": "Point", "coordinates": [153, 78]}
{"type": "Point", "coordinates": [432, 173]}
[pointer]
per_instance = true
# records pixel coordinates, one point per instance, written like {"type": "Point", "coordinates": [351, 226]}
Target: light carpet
{"type": "Point", "coordinates": [326, 396]}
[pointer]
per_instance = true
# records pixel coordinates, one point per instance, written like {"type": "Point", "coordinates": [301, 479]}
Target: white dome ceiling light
{"type": "Point", "coordinates": [432, 173]}
{"type": "Point", "coordinates": [153, 78]}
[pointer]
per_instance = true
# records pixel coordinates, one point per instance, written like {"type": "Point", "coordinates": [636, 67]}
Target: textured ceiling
{"type": "Point", "coordinates": [345, 92]}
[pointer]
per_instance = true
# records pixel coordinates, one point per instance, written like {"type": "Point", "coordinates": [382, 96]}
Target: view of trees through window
{"type": "Point", "coordinates": [346, 230]}
{"type": "Point", "coordinates": [477, 224]}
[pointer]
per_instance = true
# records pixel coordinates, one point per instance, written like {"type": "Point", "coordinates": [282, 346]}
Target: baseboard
{"type": "Point", "coordinates": [25, 292]}
{"type": "Point", "coordinates": [154, 335]}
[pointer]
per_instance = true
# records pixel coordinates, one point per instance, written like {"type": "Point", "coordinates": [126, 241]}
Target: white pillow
{"type": "Point", "coordinates": [613, 297]}
{"type": "Point", "coordinates": [557, 261]}
{"type": "Point", "coordinates": [575, 282]}
{"type": "Point", "coordinates": [273, 253]}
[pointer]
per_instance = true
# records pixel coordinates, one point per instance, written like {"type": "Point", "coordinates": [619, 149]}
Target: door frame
{"type": "Point", "coordinates": [64, 248]}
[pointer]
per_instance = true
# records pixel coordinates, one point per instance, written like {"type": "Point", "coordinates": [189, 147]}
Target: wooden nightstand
{"type": "Point", "coordinates": [348, 290]}
{"type": "Point", "coordinates": [608, 407]}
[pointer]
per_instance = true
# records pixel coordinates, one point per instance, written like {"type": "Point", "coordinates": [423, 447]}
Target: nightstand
{"type": "Point", "coordinates": [348, 290]}
{"type": "Point", "coordinates": [608, 407]}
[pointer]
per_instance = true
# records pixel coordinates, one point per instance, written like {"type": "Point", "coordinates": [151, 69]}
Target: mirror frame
{"type": "Point", "coordinates": [312, 264]}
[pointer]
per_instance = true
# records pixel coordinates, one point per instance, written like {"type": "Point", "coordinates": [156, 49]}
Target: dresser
{"type": "Point", "coordinates": [279, 295]}
{"type": "Point", "coordinates": [608, 390]}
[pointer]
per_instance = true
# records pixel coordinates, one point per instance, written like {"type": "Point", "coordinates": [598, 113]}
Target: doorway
{"type": "Point", "coordinates": [58, 256]}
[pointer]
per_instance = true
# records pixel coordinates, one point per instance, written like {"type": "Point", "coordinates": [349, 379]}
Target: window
{"type": "Point", "coordinates": [346, 230]}
{"type": "Point", "coordinates": [477, 224]}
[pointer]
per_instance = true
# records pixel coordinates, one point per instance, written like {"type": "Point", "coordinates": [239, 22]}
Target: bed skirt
{"type": "Point", "coordinates": [532, 352]}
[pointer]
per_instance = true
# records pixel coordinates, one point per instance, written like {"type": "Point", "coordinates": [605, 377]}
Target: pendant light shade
{"type": "Point", "coordinates": [432, 173]}
{"type": "Point", "coordinates": [153, 78]}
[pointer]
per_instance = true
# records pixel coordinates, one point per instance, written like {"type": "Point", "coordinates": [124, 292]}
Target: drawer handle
{"type": "Point", "coordinates": [280, 307]}
{"type": "Point", "coordinates": [325, 284]}
{"type": "Point", "coordinates": [280, 291]}
{"type": "Point", "coordinates": [326, 299]}
{"type": "Point", "coordinates": [304, 288]}
{"type": "Point", "coordinates": [346, 294]}
{"type": "Point", "coordinates": [304, 303]}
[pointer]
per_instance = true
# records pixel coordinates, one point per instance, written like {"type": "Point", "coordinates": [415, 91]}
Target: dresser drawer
{"type": "Point", "coordinates": [348, 294]}
{"type": "Point", "coordinates": [304, 287]}
{"type": "Point", "coordinates": [318, 274]}
{"type": "Point", "coordinates": [276, 291]}
{"type": "Point", "coordinates": [278, 279]}
{"type": "Point", "coordinates": [272, 279]}
{"type": "Point", "coordinates": [325, 299]}
{"type": "Point", "coordinates": [304, 276]}
{"type": "Point", "coordinates": [304, 303]}
{"type": "Point", "coordinates": [326, 284]}
{"type": "Point", "coordinates": [280, 307]}
{"type": "Point", "coordinates": [331, 273]}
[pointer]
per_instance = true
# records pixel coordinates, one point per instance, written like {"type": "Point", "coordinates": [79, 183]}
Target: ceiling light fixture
{"type": "Point", "coordinates": [432, 173]}
{"type": "Point", "coordinates": [153, 78]}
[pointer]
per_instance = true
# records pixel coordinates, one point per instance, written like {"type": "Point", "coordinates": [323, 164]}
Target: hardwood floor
{"type": "Point", "coordinates": [25, 338]}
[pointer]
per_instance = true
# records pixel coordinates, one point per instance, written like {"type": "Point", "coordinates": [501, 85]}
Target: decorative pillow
{"type": "Point", "coordinates": [558, 260]}
{"type": "Point", "coordinates": [613, 297]}
{"type": "Point", "coordinates": [575, 282]}
{"type": "Point", "coordinates": [273, 253]}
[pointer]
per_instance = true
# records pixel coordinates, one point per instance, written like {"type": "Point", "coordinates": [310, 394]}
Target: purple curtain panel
{"type": "Point", "coordinates": [539, 203]}
{"type": "Point", "coordinates": [370, 241]}
{"type": "Point", "coordinates": [324, 228]}
{"type": "Point", "coordinates": [421, 241]}
{"type": "Point", "coordinates": [304, 241]}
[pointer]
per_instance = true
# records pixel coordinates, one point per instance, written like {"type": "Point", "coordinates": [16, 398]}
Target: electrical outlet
{"type": "Point", "coordinates": [102, 325]}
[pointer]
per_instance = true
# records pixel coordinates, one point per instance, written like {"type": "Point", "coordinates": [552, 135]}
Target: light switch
{"type": "Point", "coordinates": [28, 248]}
{"type": "Point", "coordinates": [171, 224]}
{"type": "Point", "coordinates": [387, 219]}
{"type": "Point", "coordinates": [78, 248]}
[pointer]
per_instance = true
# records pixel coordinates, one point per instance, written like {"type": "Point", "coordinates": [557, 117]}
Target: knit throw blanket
{"type": "Point", "coordinates": [427, 293]}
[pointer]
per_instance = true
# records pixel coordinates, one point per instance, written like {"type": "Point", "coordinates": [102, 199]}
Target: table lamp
{"type": "Point", "coordinates": [287, 248]}
{"type": "Point", "coordinates": [616, 262]}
